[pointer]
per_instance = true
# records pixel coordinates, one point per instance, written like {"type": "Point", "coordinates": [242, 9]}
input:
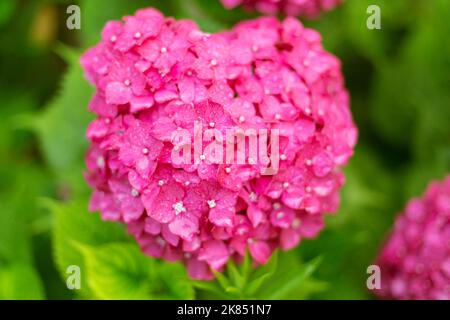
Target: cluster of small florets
{"type": "Point", "coordinates": [308, 8]}
{"type": "Point", "coordinates": [155, 75]}
{"type": "Point", "coordinates": [415, 263]}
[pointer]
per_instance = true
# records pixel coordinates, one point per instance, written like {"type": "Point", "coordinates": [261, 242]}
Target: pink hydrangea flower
{"type": "Point", "coordinates": [156, 76]}
{"type": "Point", "coordinates": [308, 8]}
{"type": "Point", "coordinates": [415, 262]}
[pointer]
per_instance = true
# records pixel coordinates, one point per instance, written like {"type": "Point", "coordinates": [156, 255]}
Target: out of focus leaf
{"type": "Point", "coordinates": [74, 225]}
{"type": "Point", "coordinates": [6, 10]}
{"type": "Point", "coordinates": [61, 126]}
{"type": "Point", "coordinates": [289, 280]}
{"type": "Point", "coordinates": [118, 271]}
{"type": "Point", "coordinates": [175, 280]}
{"type": "Point", "coordinates": [20, 282]}
{"type": "Point", "coordinates": [14, 240]}
{"type": "Point", "coordinates": [122, 271]}
{"type": "Point", "coordinates": [262, 274]}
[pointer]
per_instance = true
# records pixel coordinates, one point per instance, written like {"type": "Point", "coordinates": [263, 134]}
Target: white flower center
{"type": "Point", "coordinates": [211, 203]}
{"type": "Point", "coordinates": [134, 192]}
{"type": "Point", "coordinates": [160, 241]}
{"type": "Point", "coordinates": [179, 207]}
{"type": "Point", "coordinates": [100, 162]}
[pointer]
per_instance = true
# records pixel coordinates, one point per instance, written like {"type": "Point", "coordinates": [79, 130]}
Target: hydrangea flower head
{"type": "Point", "coordinates": [308, 8]}
{"type": "Point", "coordinates": [415, 262]}
{"type": "Point", "coordinates": [157, 77]}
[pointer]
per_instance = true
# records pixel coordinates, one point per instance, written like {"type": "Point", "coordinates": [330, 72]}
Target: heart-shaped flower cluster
{"type": "Point", "coordinates": [156, 76]}
{"type": "Point", "coordinates": [415, 262]}
{"type": "Point", "coordinates": [308, 8]}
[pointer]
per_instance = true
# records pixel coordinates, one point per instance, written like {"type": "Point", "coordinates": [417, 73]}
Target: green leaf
{"type": "Point", "coordinates": [74, 224]}
{"type": "Point", "coordinates": [20, 281]}
{"type": "Point", "coordinates": [224, 282]}
{"type": "Point", "coordinates": [176, 281]}
{"type": "Point", "coordinates": [196, 10]}
{"type": "Point", "coordinates": [62, 125]}
{"type": "Point", "coordinates": [122, 271]}
{"type": "Point", "coordinates": [14, 240]}
{"type": "Point", "coordinates": [261, 275]}
{"type": "Point", "coordinates": [290, 280]}
{"type": "Point", "coordinates": [118, 271]}
{"type": "Point", "coordinates": [210, 287]}
{"type": "Point", "coordinates": [246, 266]}
{"type": "Point", "coordinates": [7, 8]}
{"type": "Point", "coordinates": [235, 276]}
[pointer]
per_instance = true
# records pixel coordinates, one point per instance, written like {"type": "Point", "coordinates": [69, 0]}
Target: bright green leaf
{"type": "Point", "coordinates": [20, 282]}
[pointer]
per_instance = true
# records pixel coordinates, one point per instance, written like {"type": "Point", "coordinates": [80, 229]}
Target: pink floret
{"type": "Point", "coordinates": [308, 8]}
{"type": "Point", "coordinates": [156, 76]}
{"type": "Point", "coordinates": [415, 262]}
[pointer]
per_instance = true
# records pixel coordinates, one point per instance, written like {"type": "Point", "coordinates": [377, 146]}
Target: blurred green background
{"type": "Point", "coordinates": [399, 81]}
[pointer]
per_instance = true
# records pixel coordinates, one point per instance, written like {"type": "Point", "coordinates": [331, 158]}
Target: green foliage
{"type": "Point", "coordinates": [112, 265]}
{"type": "Point", "coordinates": [20, 282]}
{"type": "Point", "coordinates": [285, 279]}
{"type": "Point", "coordinates": [6, 10]}
{"type": "Point", "coordinates": [74, 226]}
{"type": "Point", "coordinates": [61, 126]}
{"type": "Point", "coordinates": [121, 271]}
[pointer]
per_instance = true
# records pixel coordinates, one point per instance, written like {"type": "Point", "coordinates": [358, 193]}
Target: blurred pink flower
{"type": "Point", "coordinates": [415, 262]}
{"type": "Point", "coordinates": [309, 8]}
